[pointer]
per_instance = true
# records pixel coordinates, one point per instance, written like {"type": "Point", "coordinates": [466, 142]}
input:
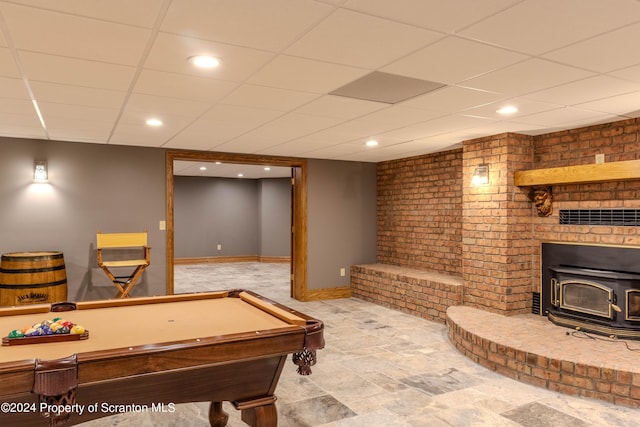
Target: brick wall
{"type": "Point", "coordinates": [430, 218]}
{"type": "Point", "coordinates": [496, 248]}
{"type": "Point", "coordinates": [419, 212]}
{"type": "Point", "coordinates": [618, 141]}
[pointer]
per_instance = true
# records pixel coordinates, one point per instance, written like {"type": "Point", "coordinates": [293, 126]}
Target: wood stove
{"type": "Point", "coordinates": [592, 288]}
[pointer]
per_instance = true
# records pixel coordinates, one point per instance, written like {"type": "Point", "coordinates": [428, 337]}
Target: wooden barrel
{"type": "Point", "coordinates": [32, 278]}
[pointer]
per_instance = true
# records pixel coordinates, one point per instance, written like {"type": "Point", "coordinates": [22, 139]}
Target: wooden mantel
{"type": "Point", "coordinates": [615, 171]}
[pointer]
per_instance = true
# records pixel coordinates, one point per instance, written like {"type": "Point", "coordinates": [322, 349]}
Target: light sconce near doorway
{"type": "Point", "coordinates": [480, 175]}
{"type": "Point", "coordinates": [40, 173]}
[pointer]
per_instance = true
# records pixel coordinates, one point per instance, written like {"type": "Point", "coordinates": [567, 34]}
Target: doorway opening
{"type": "Point", "coordinates": [298, 249]}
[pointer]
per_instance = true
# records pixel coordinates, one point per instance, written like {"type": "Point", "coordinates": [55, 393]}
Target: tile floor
{"type": "Point", "coordinates": [381, 368]}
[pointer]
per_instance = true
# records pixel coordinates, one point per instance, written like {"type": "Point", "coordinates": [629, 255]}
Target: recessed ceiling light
{"type": "Point", "coordinates": [204, 61]}
{"type": "Point", "coordinates": [240, 175]}
{"type": "Point", "coordinates": [203, 168]}
{"type": "Point", "coordinates": [218, 163]}
{"type": "Point", "coordinates": [509, 109]}
{"type": "Point", "coordinates": [372, 143]}
{"type": "Point", "coordinates": [267, 168]}
{"type": "Point", "coordinates": [154, 122]}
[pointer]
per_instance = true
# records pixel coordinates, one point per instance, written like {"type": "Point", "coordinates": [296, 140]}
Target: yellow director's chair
{"type": "Point", "coordinates": [124, 243]}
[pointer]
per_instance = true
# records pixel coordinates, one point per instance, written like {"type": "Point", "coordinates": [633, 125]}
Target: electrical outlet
{"type": "Point", "coordinates": [219, 247]}
{"type": "Point", "coordinates": [343, 272]}
{"type": "Point", "coordinates": [163, 225]}
{"type": "Point", "coordinates": [599, 159]}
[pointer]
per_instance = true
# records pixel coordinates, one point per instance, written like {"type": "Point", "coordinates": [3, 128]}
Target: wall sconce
{"type": "Point", "coordinates": [480, 175]}
{"type": "Point", "coordinates": [40, 173]}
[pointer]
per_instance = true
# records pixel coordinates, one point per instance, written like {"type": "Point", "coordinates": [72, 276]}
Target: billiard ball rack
{"type": "Point", "coordinates": [41, 339]}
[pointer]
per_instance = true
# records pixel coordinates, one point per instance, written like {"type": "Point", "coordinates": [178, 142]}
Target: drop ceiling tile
{"type": "Point", "coordinates": [76, 72]}
{"type": "Point", "coordinates": [632, 73]}
{"type": "Point", "coordinates": [286, 128]}
{"type": "Point", "coordinates": [150, 105]}
{"type": "Point", "coordinates": [182, 86]}
{"type": "Point", "coordinates": [340, 107]}
{"type": "Point", "coordinates": [16, 106]}
{"type": "Point", "coordinates": [597, 53]}
{"type": "Point", "coordinates": [288, 72]}
{"type": "Point", "coordinates": [77, 95]}
{"type": "Point", "coordinates": [386, 120]}
{"type": "Point", "coordinates": [271, 25]}
{"type": "Point", "coordinates": [564, 117]}
{"type": "Point", "coordinates": [360, 40]}
{"type": "Point", "coordinates": [68, 129]}
{"type": "Point", "coordinates": [77, 112]}
{"type": "Point", "coordinates": [452, 99]}
{"type": "Point", "coordinates": [140, 12]}
{"type": "Point", "coordinates": [13, 88]}
{"type": "Point", "coordinates": [220, 124]}
{"type": "Point", "coordinates": [27, 120]}
{"type": "Point", "coordinates": [268, 97]}
{"type": "Point", "coordinates": [622, 105]}
{"type": "Point", "coordinates": [585, 90]}
{"type": "Point", "coordinates": [436, 126]}
{"type": "Point", "coordinates": [525, 77]}
{"type": "Point", "coordinates": [171, 52]}
{"type": "Point", "coordinates": [437, 63]}
{"type": "Point", "coordinates": [55, 33]}
{"type": "Point", "coordinates": [140, 136]}
{"type": "Point", "coordinates": [539, 26]}
{"type": "Point", "coordinates": [8, 66]}
{"type": "Point", "coordinates": [525, 106]}
{"type": "Point", "coordinates": [444, 16]}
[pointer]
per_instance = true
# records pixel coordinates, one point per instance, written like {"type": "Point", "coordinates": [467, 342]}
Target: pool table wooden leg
{"type": "Point", "coordinates": [260, 412]}
{"type": "Point", "coordinates": [217, 416]}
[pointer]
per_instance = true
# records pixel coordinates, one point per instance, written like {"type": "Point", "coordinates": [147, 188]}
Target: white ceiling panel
{"type": "Point", "coordinates": [436, 127]}
{"type": "Point", "coordinates": [444, 16]}
{"type": "Point", "coordinates": [624, 105]}
{"type": "Point", "coordinates": [436, 63]}
{"type": "Point", "coordinates": [528, 76]}
{"type": "Point", "coordinates": [172, 52]}
{"type": "Point", "coordinates": [75, 72]}
{"type": "Point", "coordinates": [270, 25]}
{"type": "Point", "coordinates": [8, 66]}
{"type": "Point", "coordinates": [13, 88]}
{"type": "Point", "coordinates": [564, 117]}
{"type": "Point", "coordinates": [360, 40]}
{"type": "Point", "coordinates": [288, 72]}
{"type": "Point", "coordinates": [139, 12]}
{"type": "Point", "coordinates": [625, 54]}
{"type": "Point", "coordinates": [182, 86]}
{"type": "Point", "coordinates": [37, 30]}
{"type": "Point", "coordinates": [100, 69]}
{"type": "Point", "coordinates": [539, 26]}
{"type": "Point", "coordinates": [524, 106]}
{"type": "Point", "coordinates": [452, 98]}
{"type": "Point", "coordinates": [584, 90]}
{"type": "Point", "coordinates": [340, 107]}
{"type": "Point", "coordinates": [268, 97]}
{"type": "Point", "coordinates": [77, 95]}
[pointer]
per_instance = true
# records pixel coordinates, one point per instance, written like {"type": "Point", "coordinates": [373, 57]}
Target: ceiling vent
{"type": "Point", "coordinates": [385, 87]}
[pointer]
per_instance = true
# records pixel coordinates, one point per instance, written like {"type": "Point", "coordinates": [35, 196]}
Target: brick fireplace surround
{"type": "Point", "coordinates": [470, 256]}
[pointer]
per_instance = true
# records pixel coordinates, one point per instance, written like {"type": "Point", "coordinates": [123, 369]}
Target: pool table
{"type": "Point", "coordinates": [148, 354]}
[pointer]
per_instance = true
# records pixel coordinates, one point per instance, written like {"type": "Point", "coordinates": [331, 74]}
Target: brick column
{"type": "Point", "coordinates": [497, 241]}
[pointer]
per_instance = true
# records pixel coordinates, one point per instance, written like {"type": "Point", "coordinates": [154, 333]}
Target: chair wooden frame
{"type": "Point", "coordinates": [120, 241]}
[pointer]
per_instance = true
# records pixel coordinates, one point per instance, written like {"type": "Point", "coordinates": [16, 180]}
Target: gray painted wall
{"type": "Point", "coordinates": [275, 217]}
{"type": "Point", "coordinates": [91, 187]}
{"type": "Point", "coordinates": [118, 188]}
{"type": "Point", "coordinates": [244, 216]}
{"type": "Point", "coordinates": [341, 220]}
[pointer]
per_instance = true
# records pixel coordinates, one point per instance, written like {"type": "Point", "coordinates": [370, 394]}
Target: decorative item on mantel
{"type": "Point", "coordinates": [542, 198]}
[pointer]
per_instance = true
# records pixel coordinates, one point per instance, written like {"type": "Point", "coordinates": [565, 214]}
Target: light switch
{"type": "Point", "coordinates": [163, 225]}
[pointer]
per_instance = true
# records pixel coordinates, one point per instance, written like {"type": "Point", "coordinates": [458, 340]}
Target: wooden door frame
{"type": "Point", "coordinates": [299, 207]}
